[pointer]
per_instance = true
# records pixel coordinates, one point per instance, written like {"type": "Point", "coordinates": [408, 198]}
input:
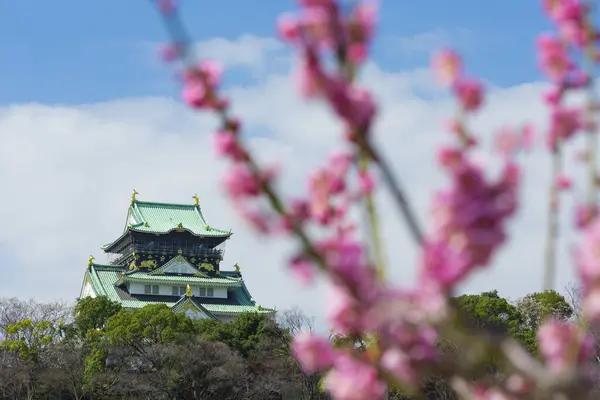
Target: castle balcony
{"type": "Point", "coordinates": [167, 248]}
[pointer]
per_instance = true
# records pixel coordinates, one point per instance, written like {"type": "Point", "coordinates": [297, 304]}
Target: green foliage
{"type": "Point", "coordinates": [92, 313]}
{"type": "Point", "coordinates": [244, 334]}
{"type": "Point", "coordinates": [537, 307]}
{"type": "Point", "coordinates": [495, 315]}
{"type": "Point", "coordinates": [154, 323]}
{"type": "Point", "coordinates": [29, 339]}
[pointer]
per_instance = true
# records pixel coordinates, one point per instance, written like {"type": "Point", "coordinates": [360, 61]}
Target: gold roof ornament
{"type": "Point", "coordinates": [237, 267]}
{"type": "Point", "coordinates": [91, 261]}
{"type": "Point", "coordinates": [188, 291]}
{"type": "Point", "coordinates": [196, 200]}
{"type": "Point", "coordinates": [133, 199]}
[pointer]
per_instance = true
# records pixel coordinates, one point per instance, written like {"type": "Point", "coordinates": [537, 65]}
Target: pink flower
{"type": "Point", "coordinates": [469, 93]}
{"type": "Point", "coordinates": [554, 59]}
{"type": "Point", "coordinates": [343, 312]}
{"type": "Point", "coordinates": [587, 255]}
{"type": "Point", "coordinates": [563, 182]}
{"type": "Point", "coordinates": [312, 352]}
{"type": "Point", "coordinates": [166, 6]}
{"type": "Point", "coordinates": [507, 142]}
{"type": "Point", "coordinates": [351, 379]}
{"type": "Point", "coordinates": [396, 362]}
{"type": "Point", "coordinates": [171, 52]}
{"type": "Point", "coordinates": [226, 144]}
{"type": "Point", "coordinates": [200, 84]}
{"type": "Point", "coordinates": [591, 304]}
{"type": "Point", "coordinates": [528, 137]}
{"type": "Point", "coordinates": [358, 52]}
{"type": "Point", "coordinates": [563, 125]}
{"type": "Point", "coordinates": [443, 265]}
{"type": "Point", "coordinates": [469, 217]}
{"type": "Point", "coordinates": [366, 182]}
{"type": "Point", "coordinates": [242, 182]}
{"type": "Point", "coordinates": [448, 67]}
{"type": "Point", "coordinates": [288, 28]}
{"type": "Point", "coordinates": [584, 214]}
{"type": "Point", "coordinates": [563, 344]}
{"type": "Point", "coordinates": [303, 270]}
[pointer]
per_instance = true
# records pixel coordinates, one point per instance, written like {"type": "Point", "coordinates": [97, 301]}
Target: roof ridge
{"type": "Point", "coordinates": [158, 203]}
{"type": "Point", "coordinates": [114, 266]}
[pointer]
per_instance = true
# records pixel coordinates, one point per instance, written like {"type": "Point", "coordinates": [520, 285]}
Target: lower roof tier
{"type": "Point", "coordinates": [105, 280]}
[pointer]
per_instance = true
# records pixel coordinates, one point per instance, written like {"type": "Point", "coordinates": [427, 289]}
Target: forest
{"type": "Point", "coordinates": [96, 350]}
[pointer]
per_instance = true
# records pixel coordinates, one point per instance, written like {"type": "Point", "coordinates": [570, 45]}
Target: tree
{"type": "Point", "coordinates": [91, 313]}
{"type": "Point", "coordinates": [537, 307]}
{"type": "Point", "coordinates": [153, 324]}
{"type": "Point", "coordinates": [29, 341]}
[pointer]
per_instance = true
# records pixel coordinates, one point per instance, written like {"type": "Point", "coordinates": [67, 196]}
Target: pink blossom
{"type": "Point", "coordinates": [528, 136]}
{"type": "Point", "coordinates": [200, 85]}
{"type": "Point", "coordinates": [591, 304]}
{"type": "Point", "coordinates": [358, 52]}
{"type": "Point", "coordinates": [365, 19]}
{"type": "Point", "coordinates": [443, 265]}
{"type": "Point", "coordinates": [303, 270]}
{"type": "Point", "coordinates": [348, 264]}
{"type": "Point", "coordinates": [342, 311]}
{"type": "Point", "coordinates": [469, 93]}
{"type": "Point", "coordinates": [288, 28]}
{"type": "Point", "coordinates": [396, 362]}
{"type": "Point", "coordinates": [241, 182]}
{"type": "Point", "coordinates": [351, 379]}
{"type": "Point", "coordinates": [470, 216]}
{"type": "Point", "coordinates": [563, 344]}
{"type": "Point", "coordinates": [507, 142]}
{"type": "Point", "coordinates": [314, 353]}
{"type": "Point", "coordinates": [366, 182]}
{"type": "Point", "coordinates": [563, 182]}
{"type": "Point", "coordinates": [166, 6]}
{"type": "Point", "coordinates": [563, 125]}
{"type": "Point", "coordinates": [587, 254]}
{"type": "Point", "coordinates": [584, 214]}
{"type": "Point", "coordinates": [171, 51]}
{"type": "Point", "coordinates": [554, 59]}
{"type": "Point", "coordinates": [554, 96]}
{"type": "Point", "coordinates": [226, 144]}
{"type": "Point", "coordinates": [448, 66]}
{"type": "Point", "coordinates": [316, 3]}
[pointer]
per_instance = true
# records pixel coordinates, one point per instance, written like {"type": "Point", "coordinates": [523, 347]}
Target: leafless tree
{"type": "Point", "coordinates": [295, 321]}
{"type": "Point", "coordinates": [13, 310]}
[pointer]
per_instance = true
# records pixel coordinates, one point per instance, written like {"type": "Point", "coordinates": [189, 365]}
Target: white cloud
{"type": "Point", "coordinates": [426, 42]}
{"type": "Point", "coordinates": [67, 174]}
{"type": "Point", "coordinates": [247, 51]}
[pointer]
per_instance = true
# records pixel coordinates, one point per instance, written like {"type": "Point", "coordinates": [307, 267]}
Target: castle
{"type": "Point", "coordinates": [168, 254]}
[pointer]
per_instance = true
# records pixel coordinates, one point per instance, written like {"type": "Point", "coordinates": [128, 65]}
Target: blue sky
{"type": "Point", "coordinates": [74, 52]}
{"type": "Point", "coordinates": [83, 162]}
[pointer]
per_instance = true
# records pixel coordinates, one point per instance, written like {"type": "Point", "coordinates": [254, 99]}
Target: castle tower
{"type": "Point", "coordinates": [168, 254]}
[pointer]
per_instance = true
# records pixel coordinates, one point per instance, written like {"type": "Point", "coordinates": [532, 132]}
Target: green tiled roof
{"type": "Point", "coordinates": [163, 218]}
{"type": "Point", "coordinates": [139, 276]}
{"type": "Point", "coordinates": [104, 280]}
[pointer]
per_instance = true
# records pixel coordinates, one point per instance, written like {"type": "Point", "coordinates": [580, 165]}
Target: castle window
{"type": "Point", "coordinates": [203, 291]}
{"type": "Point", "coordinates": [210, 292]}
{"type": "Point", "coordinates": [178, 290]}
{"type": "Point", "coordinates": [151, 289]}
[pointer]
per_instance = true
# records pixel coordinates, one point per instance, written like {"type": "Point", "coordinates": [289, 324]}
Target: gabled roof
{"type": "Point", "coordinates": [162, 218]}
{"type": "Point", "coordinates": [182, 263]}
{"type": "Point", "coordinates": [191, 303]}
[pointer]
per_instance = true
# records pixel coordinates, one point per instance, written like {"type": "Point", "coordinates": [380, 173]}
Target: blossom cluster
{"type": "Point", "coordinates": [469, 218]}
